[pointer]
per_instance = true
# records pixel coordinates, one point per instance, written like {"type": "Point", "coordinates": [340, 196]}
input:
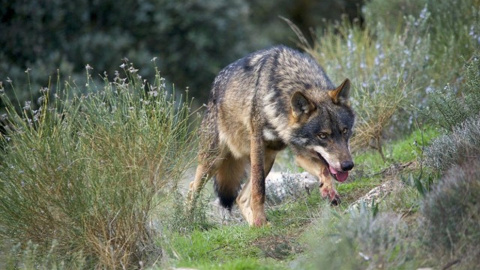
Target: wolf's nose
{"type": "Point", "coordinates": [347, 165]}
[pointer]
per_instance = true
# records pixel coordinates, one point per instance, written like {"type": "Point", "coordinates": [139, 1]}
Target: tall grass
{"type": "Point", "coordinates": [405, 53]}
{"type": "Point", "coordinates": [80, 175]}
{"type": "Point", "coordinates": [382, 66]}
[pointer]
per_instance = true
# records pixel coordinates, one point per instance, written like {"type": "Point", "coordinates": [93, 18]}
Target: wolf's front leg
{"type": "Point", "coordinates": [257, 203]}
{"type": "Point", "coordinates": [327, 188]}
{"type": "Point", "coordinates": [317, 168]}
{"type": "Point", "coordinates": [245, 197]}
{"type": "Point", "coordinates": [256, 184]}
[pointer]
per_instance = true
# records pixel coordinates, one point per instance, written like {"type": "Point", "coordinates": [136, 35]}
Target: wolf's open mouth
{"type": "Point", "coordinates": [339, 176]}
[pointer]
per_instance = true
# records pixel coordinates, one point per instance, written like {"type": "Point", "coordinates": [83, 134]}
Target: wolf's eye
{"type": "Point", "coordinates": [322, 135]}
{"type": "Point", "coordinates": [345, 131]}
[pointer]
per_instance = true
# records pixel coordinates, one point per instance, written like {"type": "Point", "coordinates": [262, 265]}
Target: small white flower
{"type": "Point", "coordinates": [132, 70]}
{"type": "Point", "coordinates": [153, 93]}
{"type": "Point", "coordinates": [429, 89]}
{"type": "Point", "coordinates": [423, 13]}
{"type": "Point", "coordinates": [27, 105]}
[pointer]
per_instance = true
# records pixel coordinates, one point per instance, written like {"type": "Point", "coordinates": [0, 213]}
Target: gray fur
{"type": "Point", "coordinates": [284, 98]}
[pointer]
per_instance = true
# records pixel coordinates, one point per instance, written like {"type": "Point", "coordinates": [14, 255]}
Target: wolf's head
{"type": "Point", "coordinates": [322, 123]}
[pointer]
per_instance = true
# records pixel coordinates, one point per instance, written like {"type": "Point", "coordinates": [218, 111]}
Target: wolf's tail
{"type": "Point", "coordinates": [228, 180]}
{"type": "Point", "coordinates": [227, 197]}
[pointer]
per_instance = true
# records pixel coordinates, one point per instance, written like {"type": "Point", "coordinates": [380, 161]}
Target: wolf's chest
{"type": "Point", "coordinates": [272, 140]}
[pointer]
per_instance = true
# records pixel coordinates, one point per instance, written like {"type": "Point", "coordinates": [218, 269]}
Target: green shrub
{"type": "Point", "coordinates": [453, 28]}
{"type": "Point", "coordinates": [386, 70]}
{"type": "Point", "coordinates": [460, 100]}
{"type": "Point", "coordinates": [359, 240]}
{"type": "Point", "coordinates": [452, 216]}
{"type": "Point", "coordinates": [457, 147]}
{"type": "Point", "coordinates": [85, 171]}
{"type": "Point", "coordinates": [397, 62]}
{"type": "Point", "coordinates": [391, 13]}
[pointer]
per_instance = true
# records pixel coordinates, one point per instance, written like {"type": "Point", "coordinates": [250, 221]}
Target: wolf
{"type": "Point", "coordinates": [261, 104]}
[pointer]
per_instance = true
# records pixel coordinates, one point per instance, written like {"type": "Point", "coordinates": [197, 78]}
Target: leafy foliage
{"type": "Point", "coordinates": [192, 40]}
{"type": "Point", "coordinates": [65, 36]}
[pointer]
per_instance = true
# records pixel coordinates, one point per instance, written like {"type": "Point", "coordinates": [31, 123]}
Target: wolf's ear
{"type": "Point", "coordinates": [301, 105]}
{"type": "Point", "coordinates": [340, 95]}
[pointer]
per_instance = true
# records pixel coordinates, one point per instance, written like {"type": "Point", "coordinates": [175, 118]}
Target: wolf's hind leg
{"type": "Point", "coordinates": [243, 202]}
{"type": "Point", "coordinates": [203, 173]}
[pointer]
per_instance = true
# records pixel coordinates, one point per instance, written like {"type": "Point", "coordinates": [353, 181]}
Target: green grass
{"type": "Point", "coordinates": [370, 168]}
{"type": "Point", "coordinates": [399, 151]}
{"type": "Point", "coordinates": [219, 245]}
{"type": "Point", "coordinates": [351, 191]}
{"type": "Point", "coordinates": [413, 145]}
{"type": "Point", "coordinates": [241, 247]}
{"type": "Point", "coordinates": [242, 264]}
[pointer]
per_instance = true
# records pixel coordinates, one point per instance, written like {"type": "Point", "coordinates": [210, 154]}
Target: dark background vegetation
{"type": "Point", "coordinates": [191, 40]}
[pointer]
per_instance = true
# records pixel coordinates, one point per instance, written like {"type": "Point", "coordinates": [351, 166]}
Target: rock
{"type": "Point", "coordinates": [377, 194]}
{"type": "Point", "coordinates": [280, 186]}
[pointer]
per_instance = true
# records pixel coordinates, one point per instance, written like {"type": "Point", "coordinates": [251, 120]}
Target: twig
{"type": "Point", "coordinates": [450, 264]}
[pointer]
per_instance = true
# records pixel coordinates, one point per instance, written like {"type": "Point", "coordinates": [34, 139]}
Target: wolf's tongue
{"type": "Point", "coordinates": [340, 176]}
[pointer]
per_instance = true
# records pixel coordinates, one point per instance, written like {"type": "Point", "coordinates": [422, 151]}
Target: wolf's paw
{"type": "Point", "coordinates": [331, 194]}
{"type": "Point", "coordinates": [336, 201]}
{"type": "Point", "coordinates": [260, 221]}
{"type": "Point", "coordinates": [189, 202]}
